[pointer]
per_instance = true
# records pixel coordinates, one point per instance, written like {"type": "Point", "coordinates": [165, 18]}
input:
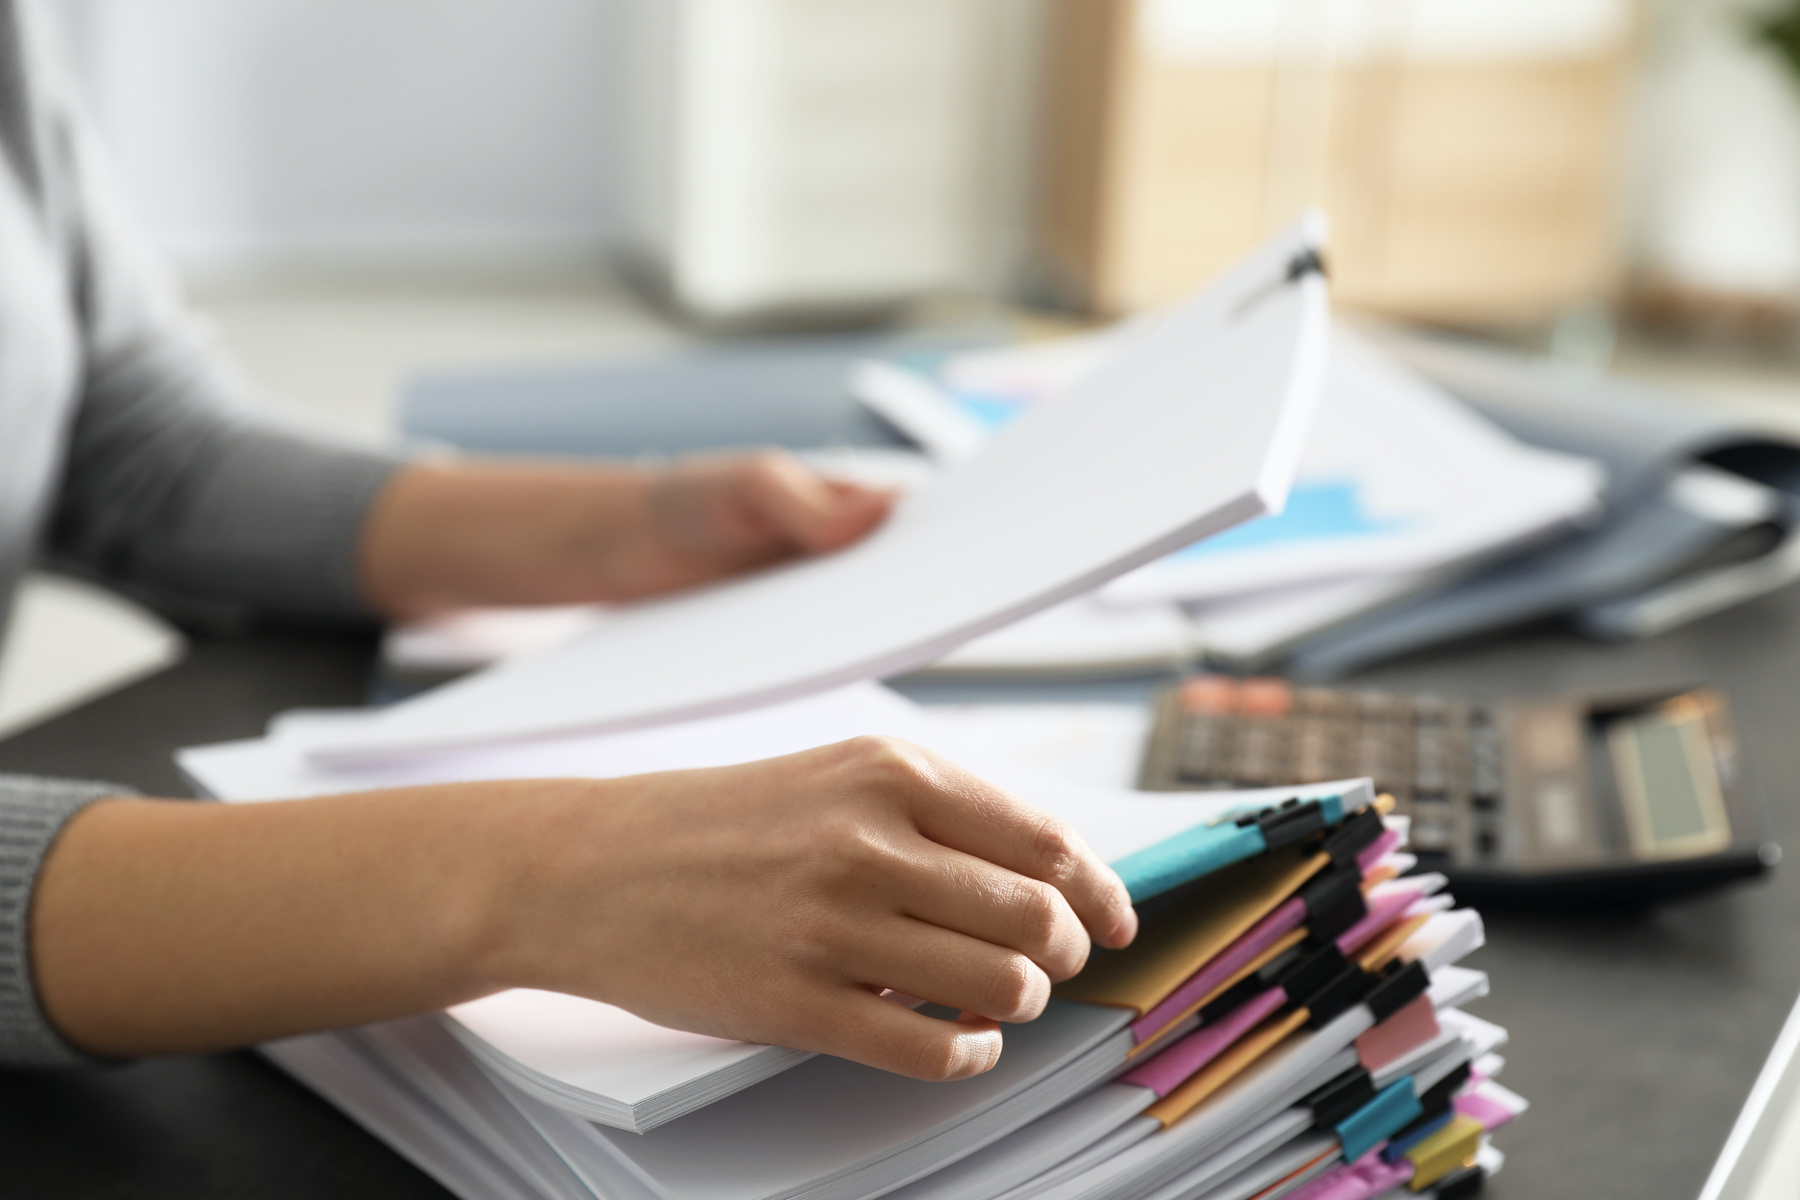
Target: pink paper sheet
{"type": "Point", "coordinates": [1363, 1179]}
{"type": "Point", "coordinates": [1371, 854]}
{"type": "Point", "coordinates": [1262, 935]}
{"type": "Point", "coordinates": [1384, 912]}
{"type": "Point", "coordinates": [1170, 1068]}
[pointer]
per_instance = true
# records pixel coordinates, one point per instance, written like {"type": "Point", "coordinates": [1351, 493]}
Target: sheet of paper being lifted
{"type": "Point", "coordinates": [1193, 425]}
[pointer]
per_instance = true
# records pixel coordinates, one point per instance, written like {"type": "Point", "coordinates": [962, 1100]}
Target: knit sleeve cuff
{"type": "Point", "coordinates": [33, 813]}
{"type": "Point", "coordinates": [278, 525]}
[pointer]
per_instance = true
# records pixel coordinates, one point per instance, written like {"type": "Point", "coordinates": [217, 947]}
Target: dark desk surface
{"type": "Point", "coordinates": [1636, 1038]}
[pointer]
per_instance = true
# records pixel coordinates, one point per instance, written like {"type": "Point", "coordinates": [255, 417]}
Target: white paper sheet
{"type": "Point", "coordinates": [1250, 628]}
{"type": "Point", "coordinates": [1115, 821]}
{"type": "Point", "coordinates": [580, 1048]}
{"type": "Point", "coordinates": [831, 1128]}
{"type": "Point", "coordinates": [1078, 637]}
{"type": "Point", "coordinates": [1397, 477]}
{"type": "Point", "coordinates": [1194, 425]}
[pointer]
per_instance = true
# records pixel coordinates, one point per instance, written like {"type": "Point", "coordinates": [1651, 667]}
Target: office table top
{"type": "Point", "coordinates": [1636, 1037]}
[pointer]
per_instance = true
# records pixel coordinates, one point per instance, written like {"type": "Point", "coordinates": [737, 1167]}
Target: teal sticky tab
{"type": "Point", "coordinates": [1187, 856]}
{"type": "Point", "coordinates": [1332, 808]}
{"type": "Point", "coordinates": [1200, 851]}
{"type": "Point", "coordinates": [1393, 1109]}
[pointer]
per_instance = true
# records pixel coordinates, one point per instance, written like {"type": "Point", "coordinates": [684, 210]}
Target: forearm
{"type": "Point", "coordinates": [161, 926]}
{"type": "Point", "coordinates": [770, 902]}
{"type": "Point", "coordinates": [449, 535]}
{"type": "Point", "coordinates": [453, 535]}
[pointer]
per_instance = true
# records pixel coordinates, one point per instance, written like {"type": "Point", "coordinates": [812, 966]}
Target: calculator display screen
{"type": "Point", "coordinates": [1668, 782]}
{"type": "Point", "coordinates": [1671, 797]}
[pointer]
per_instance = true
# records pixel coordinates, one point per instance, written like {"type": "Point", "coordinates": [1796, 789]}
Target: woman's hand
{"type": "Point", "coordinates": [458, 535]}
{"type": "Point", "coordinates": [771, 901]}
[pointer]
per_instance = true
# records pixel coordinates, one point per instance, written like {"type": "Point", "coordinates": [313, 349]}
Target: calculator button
{"type": "Point", "coordinates": [1209, 696]}
{"type": "Point", "coordinates": [1317, 749]}
{"type": "Point", "coordinates": [1257, 756]}
{"type": "Point", "coordinates": [1205, 744]}
{"type": "Point", "coordinates": [1265, 698]}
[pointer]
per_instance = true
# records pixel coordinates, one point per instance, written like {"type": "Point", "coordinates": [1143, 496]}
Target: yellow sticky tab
{"type": "Point", "coordinates": [1223, 1069]}
{"type": "Point", "coordinates": [1447, 1150]}
{"type": "Point", "coordinates": [1376, 954]}
{"type": "Point", "coordinates": [1380, 874]}
{"type": "Point", "coordinates": [1184, 937]}
{"type": "Point", "coordinates": [1282, 946]}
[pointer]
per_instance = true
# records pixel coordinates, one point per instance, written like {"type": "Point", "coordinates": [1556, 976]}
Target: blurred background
{"type": "Point", "coordinates": [356, 188]}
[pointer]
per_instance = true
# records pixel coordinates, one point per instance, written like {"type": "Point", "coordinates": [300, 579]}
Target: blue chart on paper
{"type": "Point", "coordinates": [1322, 511]}
{"type": "Point", "coordinates": [992, 413]}
{"type": "Point", "coordinates": [1315, 512]}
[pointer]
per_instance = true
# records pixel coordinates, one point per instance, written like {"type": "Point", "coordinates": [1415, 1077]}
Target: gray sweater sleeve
{"type": "Point", "coordinates": [170, 486]}
{"type": "Point", "coordinates": [32, 814]}
{"type": "Point", "coordinates": [173, 484]}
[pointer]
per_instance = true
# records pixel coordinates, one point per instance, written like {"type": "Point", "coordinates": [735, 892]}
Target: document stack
{"type": "Point", "coordinates": [1288, 1022]}
{"type": "Point", "coordinates": [1400, 485]}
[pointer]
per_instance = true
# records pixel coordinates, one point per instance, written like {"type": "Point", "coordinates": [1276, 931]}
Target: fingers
{"type": "Point", "coordinates": [947, 968]}
{"type": "Point", "coordinates": [858, 1025]}
{"type": "Point", "coordinates": [961, 892]}
{"type": "Point", "coordinates": [955, 808]}
{"type": "Point", "coordinates": [806, 509]}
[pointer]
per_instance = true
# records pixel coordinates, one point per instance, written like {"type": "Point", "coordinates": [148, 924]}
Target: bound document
{"type": "Point", "coordinates": [1193, 424]}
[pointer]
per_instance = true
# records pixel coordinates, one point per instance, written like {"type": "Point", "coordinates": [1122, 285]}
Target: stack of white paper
{"type": "Point", "coordinates": [597, 1060]}
{"type": "Point", "coordinates": [1399, 483]}
{"type": "Point", "coordinates": [528, 1094]}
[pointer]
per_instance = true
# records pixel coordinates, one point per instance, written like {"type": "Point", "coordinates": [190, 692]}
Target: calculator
{"type": "Point", "coordinates": [1583, 798]}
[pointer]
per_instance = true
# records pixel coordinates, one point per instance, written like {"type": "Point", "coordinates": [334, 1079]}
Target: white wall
{"type": "Point", "coordinates": [1716, 201]}
{"type": "Point", "coordinates": [386, 131]}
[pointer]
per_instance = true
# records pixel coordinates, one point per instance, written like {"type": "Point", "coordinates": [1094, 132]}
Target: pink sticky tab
{"type": "Point", "coordinates": [1491, 1114]}
{"type": "Point", "coordinates": [1411, 1026]}
{"type": "Point", "coordinates": [1384, 912]}
{"type": "Point", "coordinates": [1364, 1179]}
{"type": "Point", "coordinates": [1372, 853]}
{"type": "Point", "coordinates": [1170, 1068]}
{"type": "Point", "coordinates": [1233, 958]}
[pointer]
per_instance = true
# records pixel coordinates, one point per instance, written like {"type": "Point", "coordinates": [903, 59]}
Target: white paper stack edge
{"type": "Point", "coordinates": [636, 1078]}
{"type": "Point", "coordinates": [600, 1061]}
{"type": "Point", "coordinates": [1052, 1120]}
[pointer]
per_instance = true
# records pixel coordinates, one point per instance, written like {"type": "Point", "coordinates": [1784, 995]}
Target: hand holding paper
{"type": "Point", "coordinates": [770, 902]}
{"type": "Point", "coordinates": [445, 536]}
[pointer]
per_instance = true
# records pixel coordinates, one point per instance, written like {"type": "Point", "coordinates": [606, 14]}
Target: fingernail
{"type": "Point", "coordinates": [978, 1053]}
{"type": "Point", "coordinates": [1124, 931]}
